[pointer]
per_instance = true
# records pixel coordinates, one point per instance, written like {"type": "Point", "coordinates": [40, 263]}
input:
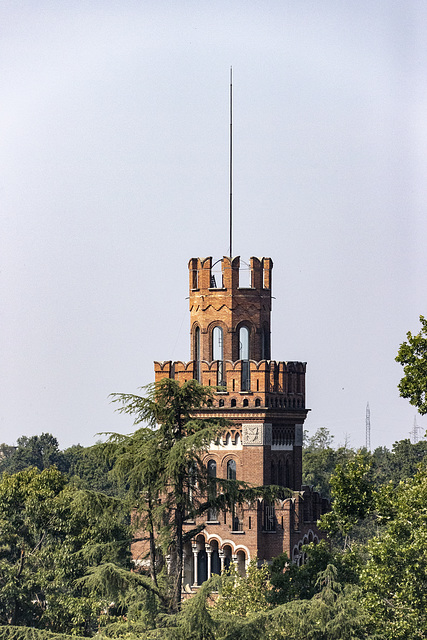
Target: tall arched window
{"type": "Point", "coordinates": [231, 470]}
{"type": "Point", "coordinates": [244, 356]}
{"type": "Point", "coordinates": [243, 343]}
{"type": "Point", "coordinates": [212, 514]}
{"type": "Point", "coordinates": [197, 352]}
{"type": "Point", "coordinates": [218, 354]}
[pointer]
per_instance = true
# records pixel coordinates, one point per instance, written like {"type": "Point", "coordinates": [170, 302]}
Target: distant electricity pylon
{"type": "Point", "coordinates": [368, 428]}
{"type": "Point", "coordinates": [414, 432]}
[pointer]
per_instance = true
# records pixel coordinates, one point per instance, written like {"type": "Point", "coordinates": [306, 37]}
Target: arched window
{"type": "Point", "coordinates": [197, 352]}
{"type": "Point", "coordinates": [243, 343]}
{"type": "Point", "coordinates": [233, 402]}
{"type": "Point", "coordinates": [231, 470]}
{"type": "Point", "coordinates": [217, 343]}
{"type": "Point", "coordinates": [245, 402]}
{"type": "Point", "coordinates": [212, 469]}
{"type": "Point", "coordinates": [212, 514]}
{"type": "Point", "coordinates": [257, 402]}
{"type": "Point", "coordinates": [218, 354]}
{"type": "Point", "coordinates": [244, 356]}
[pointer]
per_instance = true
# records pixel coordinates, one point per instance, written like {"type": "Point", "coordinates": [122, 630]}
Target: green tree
{"type": "Point", "coordinates": [395, 576]}
{"type": "Point", "coordinates": [88, 468]}
{"type": "Point", "coordinates": [334, 613]}
{"type": "Point", "coordinates": [50, 534]}
{"type": "Point", "coordinates": [319, 460]}
{"type": "Point", "coordinates": [412, 355]}
{"type": "Point", "coordinates": [162, 467]}
{"type": "Point", "coordinates": [245, 595]}
{"type": "Point", "coordinates": [36, 451]}
{"type": "Point", "coordinates": [159, 464]}
{"type": "Point", "coordinates": [352, 496]}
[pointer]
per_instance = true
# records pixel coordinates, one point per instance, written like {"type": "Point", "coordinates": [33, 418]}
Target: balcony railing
{"type": "Point", "coordinates": [237, 524]}
{"type": "Point", "coordinates": [269, 518]}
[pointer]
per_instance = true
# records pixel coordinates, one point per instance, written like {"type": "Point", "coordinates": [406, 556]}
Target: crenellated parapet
{"type": "Point", "coordinates": [266, 383]}
{"type": "Point", "coordinates": [229, 275]}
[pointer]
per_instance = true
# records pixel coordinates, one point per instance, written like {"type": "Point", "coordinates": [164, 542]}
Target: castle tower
{"type": "Point", "coordinates": [264, 402]}
{"type": "Point", "coordinates": [230, 349]}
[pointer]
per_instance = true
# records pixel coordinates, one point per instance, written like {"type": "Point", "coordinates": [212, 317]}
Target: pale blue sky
{"type": "Point", "coordinates": [114, 172]}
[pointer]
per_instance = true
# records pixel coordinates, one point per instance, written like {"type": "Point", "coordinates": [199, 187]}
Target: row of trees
{"type": "Point", "coordinates": [65, 567]}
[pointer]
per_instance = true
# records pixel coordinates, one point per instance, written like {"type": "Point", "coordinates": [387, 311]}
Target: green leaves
{"type": "Point", "coordinates": [352, 495]}
{"type": "Point", "coordinates": [394, 579]}
{"type": "Point", "coordinates": [50, 533]}
{"type": "Point", "coordinates": [244, 596]}
{"type": "Point", "coordinates": [413, 356]}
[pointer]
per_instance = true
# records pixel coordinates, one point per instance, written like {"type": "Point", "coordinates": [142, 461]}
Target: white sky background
{"type": "Point", "coordinates": [114, 172]}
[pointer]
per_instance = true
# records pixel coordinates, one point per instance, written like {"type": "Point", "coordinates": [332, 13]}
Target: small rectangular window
{"type": "Point", "coordinates": [250, 522]}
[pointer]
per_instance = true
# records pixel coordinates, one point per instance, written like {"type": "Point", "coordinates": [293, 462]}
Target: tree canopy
{"type": "Point", "coordinates": [412, 355]}
{"type": "Point", "coordinates": [50, 534]}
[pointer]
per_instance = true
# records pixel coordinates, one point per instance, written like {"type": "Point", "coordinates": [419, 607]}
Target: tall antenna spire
{"type": "Point", "coordinates": [231, 163]}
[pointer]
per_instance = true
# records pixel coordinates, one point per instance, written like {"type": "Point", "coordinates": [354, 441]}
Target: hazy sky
{"type": "Point", "coordinates": [114, 172]}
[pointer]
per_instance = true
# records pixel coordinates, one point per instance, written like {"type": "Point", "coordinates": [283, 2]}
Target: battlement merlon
{"type": "Point", "coordinates": [203, 276]}
{"type": "Point", "coordinates": [266, 377]}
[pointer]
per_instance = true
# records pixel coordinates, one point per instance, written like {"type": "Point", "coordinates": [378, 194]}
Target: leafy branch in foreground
{"type": "Point", "coordinates": [412, 355]}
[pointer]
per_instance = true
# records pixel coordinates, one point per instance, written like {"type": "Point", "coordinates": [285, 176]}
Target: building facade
{"type": "Point", "coordinates": [264, 402]}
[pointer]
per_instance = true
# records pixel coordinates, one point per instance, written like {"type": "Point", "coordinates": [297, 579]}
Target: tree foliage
{"type": "Point", "coordinates": [88, 468]}
{"type": "Point", "coordinates": [41, 452]}
{"type": "Point", "coordinates": [50, 533]}
{"type": "Point", "coordinates": [412, 355]}
{"type": "Point", "coordinates": [245, 595]}
{"type": "Point", "coordinates": [395, 577]}
{"type": "Point", "coordinates": [319, 460]}
{"type": "Point", "coordinates": [352, 495]}
{"type": "Point", "coordinates": [160, 463]}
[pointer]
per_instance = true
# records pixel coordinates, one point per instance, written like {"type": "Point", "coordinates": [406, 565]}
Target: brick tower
{"type": "Point", "coordinates": [264, 401]}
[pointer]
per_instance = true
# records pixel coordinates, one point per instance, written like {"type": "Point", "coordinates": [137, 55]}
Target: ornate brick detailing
{"type": "Point", "coordinates": [254, 434]}
{"type": "Point", "coordinates": [283, 437]}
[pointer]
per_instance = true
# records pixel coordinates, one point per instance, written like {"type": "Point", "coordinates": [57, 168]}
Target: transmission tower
{"type": "Point", "coordinates": [368, 427]}
{"type": "Point", "coordinates": [414, 432]}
